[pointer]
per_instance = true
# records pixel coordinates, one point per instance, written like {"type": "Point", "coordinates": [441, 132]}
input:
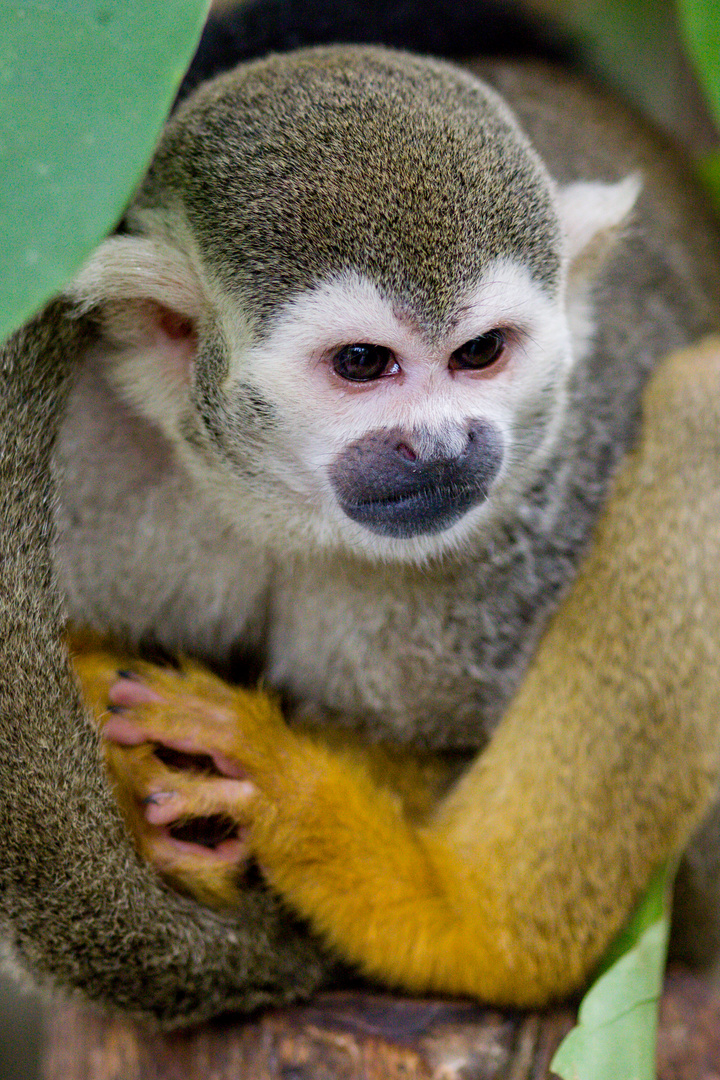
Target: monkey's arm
{"type": "Point", "coordinates": [602, 768]}
{"type": "Point", "coordinates": [76, 906]}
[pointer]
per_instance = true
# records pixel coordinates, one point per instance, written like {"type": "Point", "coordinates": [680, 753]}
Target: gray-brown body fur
{"type": "Point", "coordinates": [428, 656]}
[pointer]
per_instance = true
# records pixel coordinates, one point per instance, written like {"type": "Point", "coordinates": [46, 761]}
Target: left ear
{"type": "Point", "coordinates": [591, 216]}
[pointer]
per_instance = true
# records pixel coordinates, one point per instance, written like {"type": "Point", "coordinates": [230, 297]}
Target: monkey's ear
{"type": "Point", "coordinates": [145, 293]}
{"type": "Point", "coordinates": [147, 302]}
{"type": "Point", "coordinates": [592, 215]}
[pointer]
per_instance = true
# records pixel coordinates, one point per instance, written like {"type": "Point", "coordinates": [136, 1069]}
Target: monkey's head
{"type": "Point", "coordinates": [350, 295]}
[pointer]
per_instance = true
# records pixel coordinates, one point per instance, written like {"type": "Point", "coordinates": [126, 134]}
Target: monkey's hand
{"type": "Point", "coordinates": [170, 740]}
{"type": "Point", "coordinates": [207, 775]}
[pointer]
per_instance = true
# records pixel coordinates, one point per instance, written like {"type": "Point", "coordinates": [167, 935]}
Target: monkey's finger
{"type": "Point", "coordinates": [123, 731]}
{"type": "Point", "coordinates": [179, 696]}
{"type": "Point", "coordinates": [163, 807]}
{"type": "Point", "coordinates": [200, 797]}
{"type": "Point", "coordinates": [152, 794]}
{"type": "Point", "coordinates": [163, 794]}
{"type": "Point", "coordinates": [198, 723]}
{"type": "Point", "coordinates": [164, 850]}
{"type": "Point", "coordinates": [198, 836]}
{"type": "Point", "coordinates": [155, 793]}
{"type": "Point", "coordinates": [128, 692]}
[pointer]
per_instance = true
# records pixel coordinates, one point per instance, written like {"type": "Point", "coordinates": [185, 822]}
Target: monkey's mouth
{"type": "Point", "coordinates": [420, 512]}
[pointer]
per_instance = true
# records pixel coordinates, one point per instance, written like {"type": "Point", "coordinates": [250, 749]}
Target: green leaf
{"type": "Point", "coordinates": [85, 86]}
{"type": "Point", "coordinates": [700, 25]}
{"type": "Point", "coordinates": [616, 1033]}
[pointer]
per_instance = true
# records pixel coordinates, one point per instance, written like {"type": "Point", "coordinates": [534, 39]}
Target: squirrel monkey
{"type": "Point", "coordinates": [340, 404]}
{"type": "Point", "coordinates": [510, 886]}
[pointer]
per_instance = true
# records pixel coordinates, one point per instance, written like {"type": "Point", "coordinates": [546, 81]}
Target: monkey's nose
{"type": "Point", "coordinates": [426, 447]}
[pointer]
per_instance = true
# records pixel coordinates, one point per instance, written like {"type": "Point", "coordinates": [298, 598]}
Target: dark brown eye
{"type": "Point", "coordinates": [362, 363]}
{"type": "Point", "coordinates": [480, 352]}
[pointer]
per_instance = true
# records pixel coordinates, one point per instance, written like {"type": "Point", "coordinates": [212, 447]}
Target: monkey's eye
{"type": "Point", "coordinates": [363, 363]}
{"type": "Point", "coordinates": [481, 352]}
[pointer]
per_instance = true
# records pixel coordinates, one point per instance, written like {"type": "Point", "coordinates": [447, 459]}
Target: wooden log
{"type": "Point", "coordinates": [337, 1036]}
{"type": "Point", "coordinates": [357, 1035]}
{"type": "Point", "coordinates": [689, 1035]}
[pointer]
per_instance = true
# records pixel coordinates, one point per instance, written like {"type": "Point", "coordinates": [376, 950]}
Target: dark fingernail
{"type": "Point", "coordinates": [157, 798]}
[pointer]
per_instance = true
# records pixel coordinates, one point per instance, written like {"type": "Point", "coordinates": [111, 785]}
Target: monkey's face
{"type": "Point", "coordinates": [359, 425]}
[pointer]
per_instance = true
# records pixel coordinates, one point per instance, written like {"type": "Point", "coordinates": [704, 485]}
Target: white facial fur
{"type": "Point", "coordinates": [320, 414]}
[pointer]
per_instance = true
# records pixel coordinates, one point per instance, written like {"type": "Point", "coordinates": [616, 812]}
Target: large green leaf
{"type": "Point", "coordinates": [616, 1032]}
{"type": "Point", "coordinates": [85, 86]}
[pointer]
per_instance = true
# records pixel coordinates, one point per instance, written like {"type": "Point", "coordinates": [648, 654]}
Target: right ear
{"type": "Point", "coordinates": [148, 302]}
